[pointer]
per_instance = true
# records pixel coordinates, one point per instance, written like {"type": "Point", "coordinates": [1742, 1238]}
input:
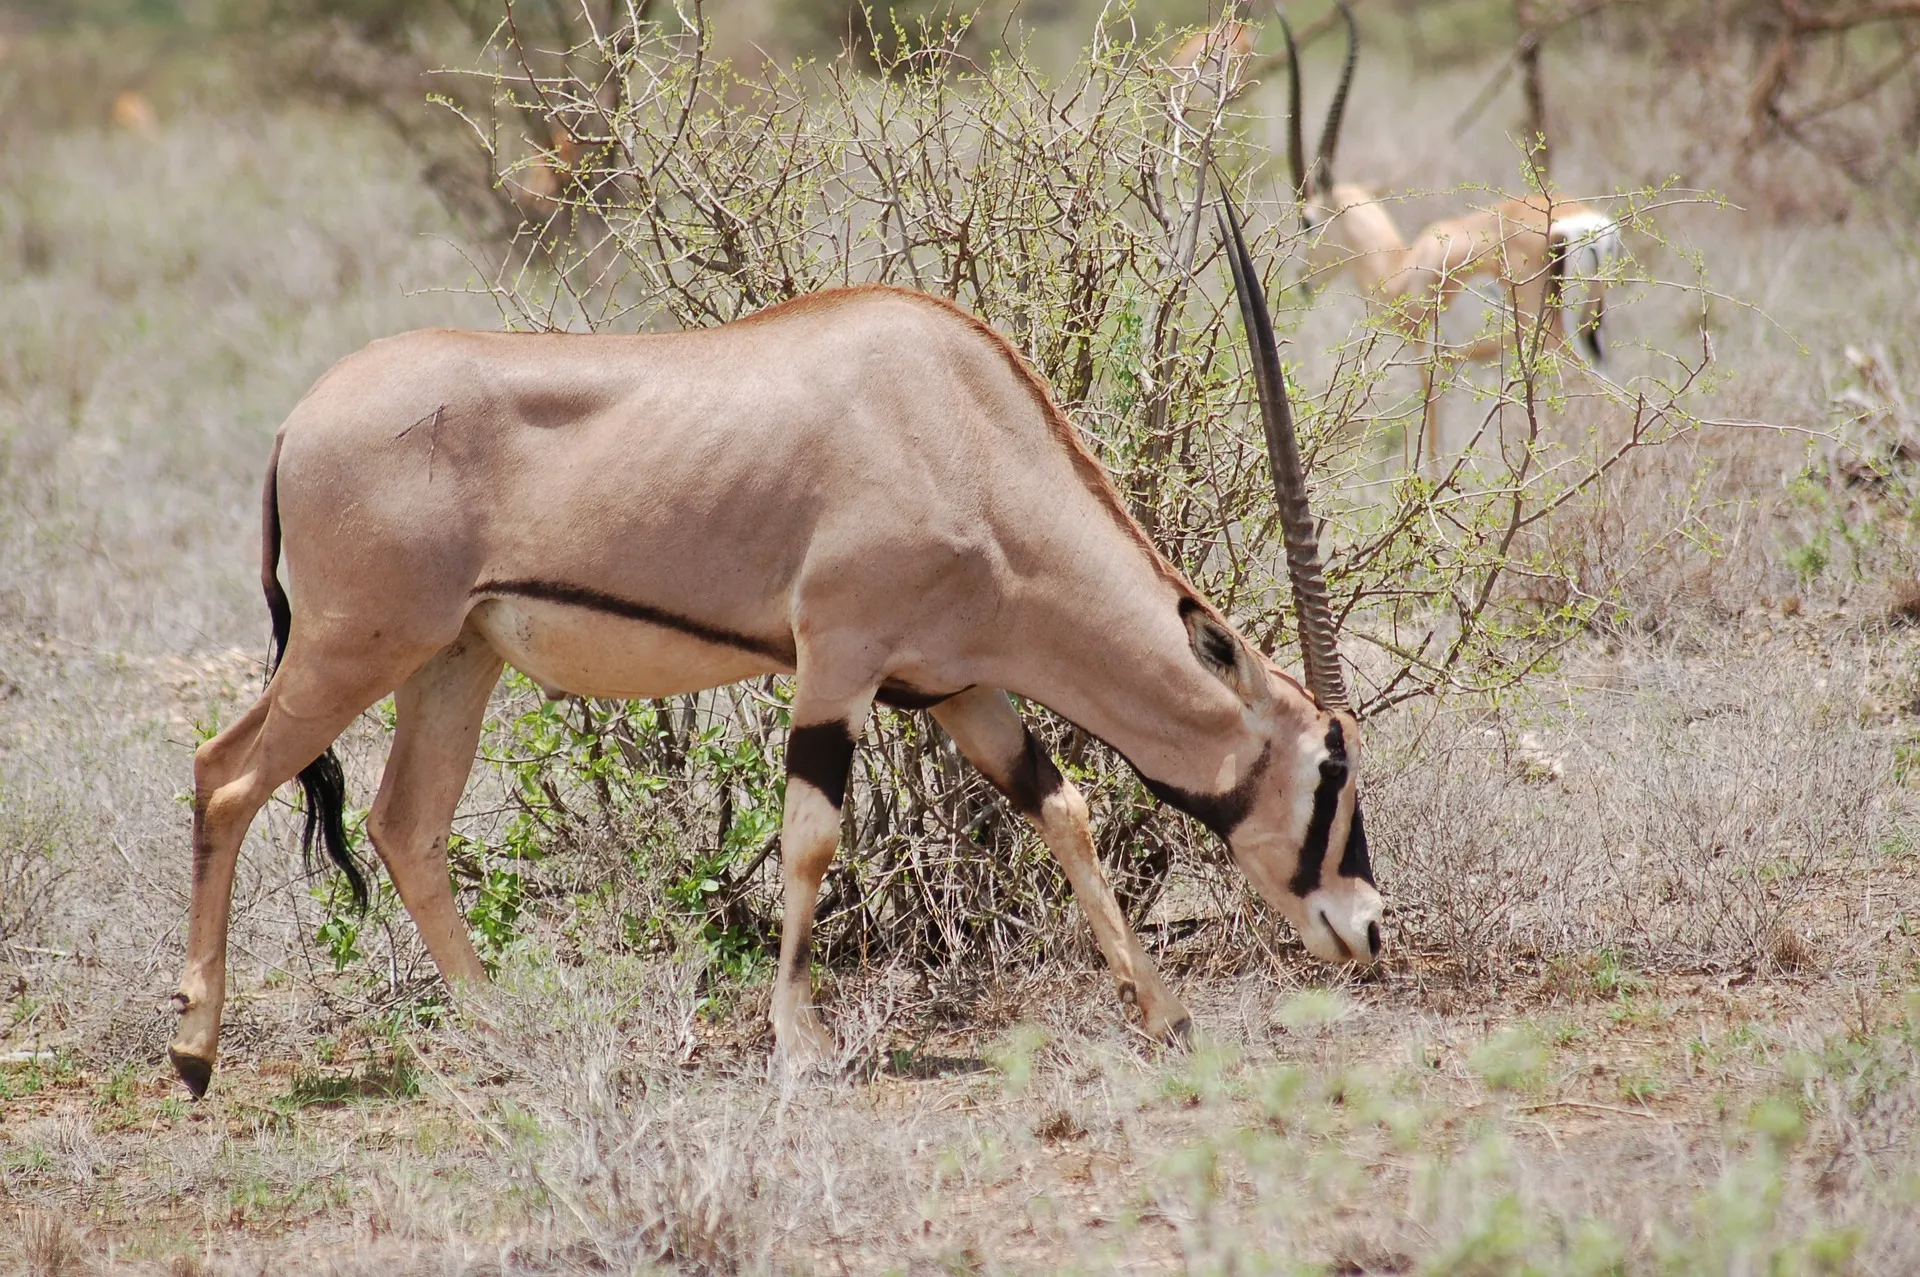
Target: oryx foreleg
{"type": "Point", "coordinates": [989, 732]}
{"type": "Point", "coordinates": [819, 760]}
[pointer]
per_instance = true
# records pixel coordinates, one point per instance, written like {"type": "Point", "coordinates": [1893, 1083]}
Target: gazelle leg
{"type": "Point", "coordinates": [819, 760]}
{"type": "Point", "coordinates": [312, 700]}
{"type": "Point", "coordinates": [989, 732]}
{"type": "Point", "coordinates": [439, 712]}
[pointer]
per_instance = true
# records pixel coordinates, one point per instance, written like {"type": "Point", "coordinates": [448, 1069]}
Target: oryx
{"type": "Point", "coordinates": [1535, 250]}
{"type": "Point", "coordinates": [868, 489]}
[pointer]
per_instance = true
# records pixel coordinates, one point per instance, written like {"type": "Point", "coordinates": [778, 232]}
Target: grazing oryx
{"type": "Point", "coordinates": [866, 488]}
{"type": "Point", "coordinates": [1530, 247]}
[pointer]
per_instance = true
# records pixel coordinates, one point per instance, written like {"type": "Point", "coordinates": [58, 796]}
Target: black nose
{"type": "Point", "coordinates": [1373, 939]}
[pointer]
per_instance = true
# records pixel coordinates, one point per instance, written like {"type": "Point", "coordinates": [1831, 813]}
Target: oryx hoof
{"type": "Point", "coordinates": [805, 1050]}
{"type": "Point", "coordinates": [194, 1070]}
{"type": "Point", "coordinates": [1179, 1034]}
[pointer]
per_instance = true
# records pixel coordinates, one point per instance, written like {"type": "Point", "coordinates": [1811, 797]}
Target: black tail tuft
{"type": "Point", "coordinates": [326, 790]}
{"type": "Point", "coordinates": [278, 609]}
{"type": "Point", "coordinates": [1591, 316]}
{"type": "Point", "coordinates": [322, 780]}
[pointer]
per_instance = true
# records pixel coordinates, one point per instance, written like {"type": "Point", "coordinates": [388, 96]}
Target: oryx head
{"type": "Point", "coordinates": [1292, 817]}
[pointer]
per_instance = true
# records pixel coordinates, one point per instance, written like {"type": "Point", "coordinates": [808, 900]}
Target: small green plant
{"type": "Point", "coordinates": [1778, 1120]}
{"type": "Point", "coordinates": [388, 1074]}
{"type": "Point", "coordinates": [1312, 1009]}
{"type": "Point", "coordinates": [1639, 1088]}
{"type": "Point", "coordinates": [1511, 1060]}
{"type": "Point", "coordinates": [1014, 1057]}
{"type": "Point", "coordinates": [1612, 978]}
{"type": "Point", "coordinates": [1906, 765]}
{"type": "Point", "coordinates": [1809, 560]}
{"type": "Point", "coordinates": [116, 1100]}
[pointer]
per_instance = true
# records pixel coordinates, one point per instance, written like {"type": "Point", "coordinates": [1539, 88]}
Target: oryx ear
{"type": "Point", "coordinates": [1224, 655]}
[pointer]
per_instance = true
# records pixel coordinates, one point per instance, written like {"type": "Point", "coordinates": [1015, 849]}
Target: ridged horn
{"type": "Point", "coordinates": [1318, 653]}
{"type": "Point", "coordinates": [1337, 109]}
{"type": "Point", "coordinates": [1296, 148]}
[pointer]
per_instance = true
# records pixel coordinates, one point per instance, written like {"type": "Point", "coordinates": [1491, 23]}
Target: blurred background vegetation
{"type": "Point", "coordinates": [1786, 76]}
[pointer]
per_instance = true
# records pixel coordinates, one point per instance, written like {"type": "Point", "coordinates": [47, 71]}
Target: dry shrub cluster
{"type": "Point", "coordinates": [35, 842]}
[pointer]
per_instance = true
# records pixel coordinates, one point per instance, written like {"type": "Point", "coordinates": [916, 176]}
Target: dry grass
{"type": "Point", "coordinates": [1653, 919]}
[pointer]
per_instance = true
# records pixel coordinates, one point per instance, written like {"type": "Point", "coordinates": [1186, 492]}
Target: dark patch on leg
{"type": "Point", "coordinates": [1354, 861]}
{"type": "Point", "coordinates": [194, 1071]}
{"type": "Point", "coordinates": [901, 696]}
{"type": "Point", "coordinates": [202, 842]}
{"type": "Point", "coordinates": [1033, 780]}
{"type": "Point", "coordinates": [801, 967]}
{"type": "Point", "coordinates": [1326, 802]}
{"type": "Point", "coordinates": [821, 754]}
{"type": "Point", "coordinates": [1129, 994]}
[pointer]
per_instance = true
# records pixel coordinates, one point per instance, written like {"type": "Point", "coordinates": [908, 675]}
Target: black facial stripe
{"type": "Point", "coordinates": [1354, 862]}
{"type": "Point", "coordinates": [1033, 780]}
{"type": "Point", "coordinates": [1223, 812]}
{"type": "Point", "coordinates": [903, 696]}
{"type": "Point", "coordinates": [780, 649]}
{"type": "Point", "coordinates": [821, 754]}
{"type": "Point", "coordinates": [1326, 802]}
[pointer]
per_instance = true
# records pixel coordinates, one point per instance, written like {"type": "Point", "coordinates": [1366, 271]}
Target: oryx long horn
{"type": "Point", "coordinates": [1337, 109]}
{"type": "Point", "coordinates": [1315, 614]}
{"type": "Point", "coordinates": [1296, 149]}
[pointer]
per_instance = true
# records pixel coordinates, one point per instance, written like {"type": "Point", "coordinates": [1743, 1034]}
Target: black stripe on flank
{"type": "Point", "coordinates": [780, 649]}
{"type": "Point", "coordinates": [1354, 861]}
{"type": "Point", "coordinates": [1033, 780]}
{"type": "Point", "coordinates": [821, 754]}
{"type": "Point", "coordinates": [1326, 801]}
{"type": "Point", "coordinates": [903, 696]}
{"type": "Point", "coordinates": [1223, 812]}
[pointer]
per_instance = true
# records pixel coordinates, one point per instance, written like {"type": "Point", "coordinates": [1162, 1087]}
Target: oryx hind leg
{"type": "Point", "coordinates": [990, 733]}
{"type": "Point", "coordinates": [819, 761]}
{"type": "Point", "coordinates": [313, 698]}
{"type": "Point", "coordinates": [438, 714]}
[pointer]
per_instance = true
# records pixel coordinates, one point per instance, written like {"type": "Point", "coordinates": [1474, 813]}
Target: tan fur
{"type": "Point", "coordinates": [1225, 39]}
{"type": "Point", "coordinates": [1508, 242]}
{"type": "Point", "coordinates": [1092, 475]}
{"type": "Point", "coordinates": [861, 487]}
{"type": "Point", "coordinates": [1511, 243]}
